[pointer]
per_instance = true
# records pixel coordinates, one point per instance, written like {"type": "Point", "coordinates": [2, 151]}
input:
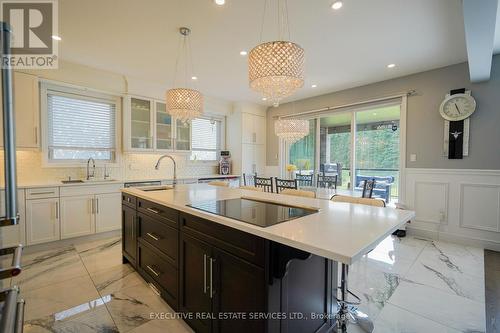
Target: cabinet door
{"type": "Point", "coordinates": [129, 234]}
{"type": "Point", "coordinates": [13, 234]}
{"type": "Point", "coordinates": [260, 158]}
{"type": "Point", "coordinates": [77, 216]}
{"type": "Point", "coordinates": [141, 124]}
{"type": "Point", "coordinates": [195, 282]}
{"type": "Point", "coordinates": [248, 134]}
{"type": "Point", "coordinates": [248, 159]}
{"type": "Point", "coordinates": [107, 211]}
{"type": "Point", "coordinates": [260, 129]}
{"type": "Point", "coordinates": [26, 108]}
{"type": "Point", "coordinates": [239, 287]}
{"type": "Point", "coordinates": [163, 137]}
{"type": "Point", "coordinates": [182, 136]}
{"type": "Point", "coordinates": [42, 220]}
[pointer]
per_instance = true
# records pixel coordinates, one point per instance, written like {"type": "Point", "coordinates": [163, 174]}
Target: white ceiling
{"type": "Point", "coordinates": [344, 48]}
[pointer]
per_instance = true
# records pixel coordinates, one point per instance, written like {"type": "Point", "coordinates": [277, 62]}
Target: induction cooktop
{"type": "Point", "coordinates": [259, 213]}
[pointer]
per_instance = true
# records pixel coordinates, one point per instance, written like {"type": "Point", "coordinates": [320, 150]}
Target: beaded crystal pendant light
{"type": "Point", "coordinates": [276, 68]}
{"type": "Point", "coordinates": [184, 103]}
{"type": "Point", "coordinates": [291, 130]}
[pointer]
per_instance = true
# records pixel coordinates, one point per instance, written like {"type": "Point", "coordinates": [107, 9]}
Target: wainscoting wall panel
{"type": "Point", "coordinates": [455, 205]}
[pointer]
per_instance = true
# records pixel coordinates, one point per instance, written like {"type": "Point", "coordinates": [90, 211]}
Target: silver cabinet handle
{"type": "Point", "coordinates": [57, 210]}
{"type": "Point", "coordinates": [155, 290]}
{"type": "Point", "coordinates": [152, 270]}
{"type": "Point", "coordinates": [254, 137]}
{"type": "Point", "coordinates": [204, 273]}
{"type": "Point", "coordinates": [97, 205]}
{"type": "Point", "coordinates": [156, 238]}
{"type": "Point", "coordinates": [92, 206]}
{"type": "Point", "coordinates": [36, 135]}
{"type": "Point", "coordinates": [212, 292]}
{"type": "Point", "coordinates": [152, 210]}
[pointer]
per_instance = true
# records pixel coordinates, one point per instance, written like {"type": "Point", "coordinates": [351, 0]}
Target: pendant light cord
{"type": "Point", "coordinates": [283, 20]}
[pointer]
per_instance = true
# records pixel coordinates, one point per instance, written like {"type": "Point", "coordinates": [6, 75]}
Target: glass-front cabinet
{"type": "Point", "coordinates": [148, 127]}
{"type": "Point", "coordinates": [164, 133]}
{"type": "Point", "coordinates": [141, 124]}
{"type": "Point", "coordinates": [183, 136]}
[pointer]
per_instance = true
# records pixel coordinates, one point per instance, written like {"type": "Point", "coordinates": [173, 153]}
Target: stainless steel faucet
{"type": "Point", "coordinates": [89, 175]}
{"type": "Point", "coordinates": [157, 166]}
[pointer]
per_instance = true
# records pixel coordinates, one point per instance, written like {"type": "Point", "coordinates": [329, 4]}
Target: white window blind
{"type": "Point", "coordinates": [80, 127]}
{"type": "Point", "coordinates": [206, 139]}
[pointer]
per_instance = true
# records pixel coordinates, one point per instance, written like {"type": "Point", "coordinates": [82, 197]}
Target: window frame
{"type": "Point", "coordinates": [85, 93]}
{"type": "Point", "coordinates": [222, 140]}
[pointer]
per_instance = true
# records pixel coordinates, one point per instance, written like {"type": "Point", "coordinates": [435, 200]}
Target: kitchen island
{"type": "Point", "coordinates": [226, 275]}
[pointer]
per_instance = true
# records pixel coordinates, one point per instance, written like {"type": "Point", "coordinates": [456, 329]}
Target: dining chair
{"type": "Point", "coordinates": [298, 193]}
{"type": "Point", "coordinates": [218, 183]}
{"type": "Point", "coordinates": [249, 179]}
{"type": "Point", "coordinates": [368, 186]}
{"type": "Point", "coordinates": [252, 188]}
{"type": "Point", "coordinates": [304, 180]}
{"type": "Point", "coordinates": [282, 184]}
{"type": "Point", "coordinates": [265, 183]}
{"type": "Point", "coordinates": [327, 181]}
{"type": "Point", "coordinates": [357, 200]}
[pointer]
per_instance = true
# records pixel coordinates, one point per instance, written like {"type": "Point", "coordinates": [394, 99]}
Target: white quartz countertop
{"type": "Point", "coordinates": [59, 183]}
{"type": "Point", "coordinates": [339, 231]}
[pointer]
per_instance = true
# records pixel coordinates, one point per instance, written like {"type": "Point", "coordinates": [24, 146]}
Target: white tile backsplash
{"type": "Point", "coordinates": [130, 166]}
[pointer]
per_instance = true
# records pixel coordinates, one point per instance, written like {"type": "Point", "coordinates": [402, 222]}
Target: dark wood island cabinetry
{"type": "Point", "coordinates": [225, 279]}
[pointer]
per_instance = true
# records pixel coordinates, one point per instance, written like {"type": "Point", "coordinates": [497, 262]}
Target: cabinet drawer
{"type": "Point", "coordinates": [158, 234]}
{"type": "Point", "coordinates": [42, 193]}
{"type": "Point", "coordinates": [129, 200]}
{"type": "Point", "coordinates": [68, 191]}
{"type": "Point", "coordinates": [239, 243]}
{"type": "Point", "coordinates": [152, 263]}
{"type": "Point", "coordinates": [167, 215]}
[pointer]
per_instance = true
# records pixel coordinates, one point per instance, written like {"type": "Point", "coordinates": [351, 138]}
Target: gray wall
{"type": "Point", "coordinates": [424, 124]}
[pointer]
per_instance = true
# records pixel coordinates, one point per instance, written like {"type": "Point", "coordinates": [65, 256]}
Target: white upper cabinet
{"type": "Point", "coordinates": [253, 128]}
{"type": "Point", "coordinates": [183, 136]}
{"type": "Point", "coordinates": [164, 128]}
{"type": "Point", "coordinates": [27, 111]}
{"type": "Point", "coordinates": [148, 127]}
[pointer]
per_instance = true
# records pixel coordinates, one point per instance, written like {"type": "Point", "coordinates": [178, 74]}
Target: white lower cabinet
{"type": "Point", "coordinates": [108, 212]}
{"type": "Point", "coordinates": [13, 234]}
{"type": "Point", "coordinates": [253, 158]}
{"type": "Point", "coordinates": [77, 216]}
{"type": "Point", "coordinates": [42, 220]}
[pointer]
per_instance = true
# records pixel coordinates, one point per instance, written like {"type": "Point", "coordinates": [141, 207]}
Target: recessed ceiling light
{"type": "Point", "coordinates": [264, 98]}
{"type": "Point", "coordinates": [337, 5]}
{"type": "Point", "coordinates": [374, 113]}
{"type": "Point", "coordinates": [220, 2]}
{"type": "Point", "coordinates": [243, 53]}
{"type": "Point", "coordinates": [391, 65]}
{"type": "Point", "coordinates": [55, 37]}
{"type": "Point", "coordinates": [314, 85]}
{"type": "Point", "coordinates": [194, 78]}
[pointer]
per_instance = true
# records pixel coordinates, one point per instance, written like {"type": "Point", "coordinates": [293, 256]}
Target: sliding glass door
{"type": "Point", "coordinates": [302, 154]}
{"type": "Point", "coordinates": [377, 150]}
{"type": "Point", "coordinates": [356, 144]}
{"type": "Point", "coordinates": [335, 147]}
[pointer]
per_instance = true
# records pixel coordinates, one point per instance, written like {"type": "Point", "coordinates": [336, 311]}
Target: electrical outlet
{"type": "Point", "coordinates": [413, 157]}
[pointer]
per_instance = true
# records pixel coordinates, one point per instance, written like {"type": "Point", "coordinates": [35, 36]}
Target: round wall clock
{"type": "Point", "coordinates": [457, 107]}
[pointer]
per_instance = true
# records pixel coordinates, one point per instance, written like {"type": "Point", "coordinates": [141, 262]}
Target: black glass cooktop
{"type": "Point", "coordinates": [260, 213]}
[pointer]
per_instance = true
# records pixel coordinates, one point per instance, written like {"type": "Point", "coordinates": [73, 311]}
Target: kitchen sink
{"type": "Point", "coordinates": [80, 181]}
{"type": "Point", "coordinates": [72, 181]}
{"type": "Point", "coordinates": [156, 188]}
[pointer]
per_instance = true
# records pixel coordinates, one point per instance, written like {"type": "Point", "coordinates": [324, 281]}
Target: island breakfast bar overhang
{"type": "Point", "coordinates": [338, 233]}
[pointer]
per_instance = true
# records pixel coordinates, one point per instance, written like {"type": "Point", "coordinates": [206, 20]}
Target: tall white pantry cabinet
{"type": "Point", "coordinates": [246, 133]}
